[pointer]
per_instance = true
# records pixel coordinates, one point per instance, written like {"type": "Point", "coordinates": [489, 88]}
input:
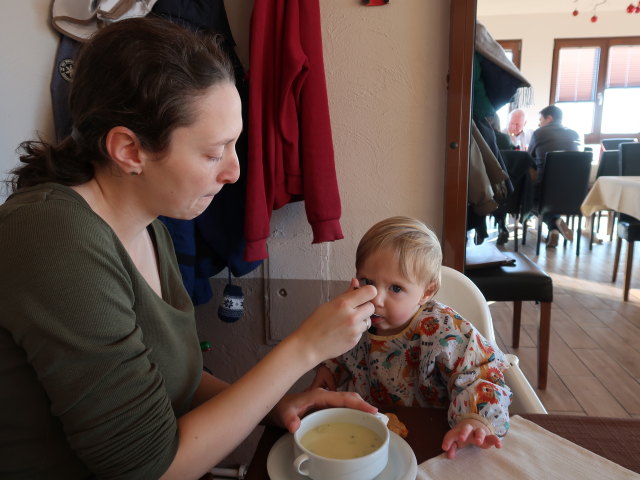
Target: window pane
{"type": "Point", "coordinates": [509, 53]}
{"type": "Point", "coordinates": [624, 66]}
{"type": "Point", "coordinates": [577, 74]}
{"type": "Point", "coordinates": [578, 116]}
{"type": "Point", "coordinates": [512, 49]}
{"type": "Point", "coordinates": [620, 110]}
{"type": "Point", "coordinates": [503, 116]}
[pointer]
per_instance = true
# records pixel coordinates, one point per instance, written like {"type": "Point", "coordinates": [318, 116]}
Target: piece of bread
{"type": "Point", "coordinates": [396, 426]}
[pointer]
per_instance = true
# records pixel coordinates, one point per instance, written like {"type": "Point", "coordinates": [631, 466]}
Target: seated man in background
{"type": "Point", "coordinates": [519, 134]}
{"type": "Point", "coordinates": [503, 140]}
{"type": "Point", "coordinates": [550, 137]}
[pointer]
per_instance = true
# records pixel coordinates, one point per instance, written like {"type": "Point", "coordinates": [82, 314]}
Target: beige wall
{"type": "Point", "coordinates": [538, 31]}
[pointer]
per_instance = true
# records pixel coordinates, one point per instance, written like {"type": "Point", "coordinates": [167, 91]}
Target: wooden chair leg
{"type": "Point", "coordinates": [569, 222]}
{"type": "Point", "coordinates": [610, 224]}
{"type": "Point", "coordinates": [627, 274]}
{"type": "Point", "coordinates": [539, 236]}
{"type": "Point", "coordinates": [515, 336]}
{"type": "Point", "coordinates": [579, 236]}
{"type": "Point", "coordinates": [543, 344]}
{"type": "Point", "coordinates": [616, 260]}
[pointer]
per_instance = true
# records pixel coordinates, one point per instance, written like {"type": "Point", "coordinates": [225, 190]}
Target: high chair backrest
{"type": "Point", "coordinates": [461, 294]}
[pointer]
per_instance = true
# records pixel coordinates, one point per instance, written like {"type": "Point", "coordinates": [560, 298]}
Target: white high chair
{"type": "Point", "coordinates": [461, 294]}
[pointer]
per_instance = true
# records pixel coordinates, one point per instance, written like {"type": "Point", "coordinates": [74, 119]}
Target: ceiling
{"type": "Point", "coordinates": [519, 7]}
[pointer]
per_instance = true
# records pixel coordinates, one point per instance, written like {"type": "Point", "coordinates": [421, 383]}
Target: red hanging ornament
{"type": "Point", "coordinates": [594, 19]}
{"type": "Point", "coordinates": [575, 13]}
{"type": "Point", "coordinates": [637, 10]}
{"type": "Point", "coordinates": [631, 8]}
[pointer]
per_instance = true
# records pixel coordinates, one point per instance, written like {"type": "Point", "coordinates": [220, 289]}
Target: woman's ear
{"type": "Point", "coordinates": [429, 292]}
{"type": "Point", "coordinates": [124, 149]}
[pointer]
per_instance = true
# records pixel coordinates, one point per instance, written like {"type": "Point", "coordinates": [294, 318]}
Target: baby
{"type": "Point", "coordinates": [419, 352]}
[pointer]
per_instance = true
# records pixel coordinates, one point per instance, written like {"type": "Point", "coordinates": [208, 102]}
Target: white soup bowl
{"type": "Point", "coordinates": [318, 467]}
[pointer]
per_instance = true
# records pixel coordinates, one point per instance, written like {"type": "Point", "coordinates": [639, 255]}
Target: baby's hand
{"type": "Point", "coordinates": [324, 379]}
{"type": "Point", "coordinates": [469, 432]}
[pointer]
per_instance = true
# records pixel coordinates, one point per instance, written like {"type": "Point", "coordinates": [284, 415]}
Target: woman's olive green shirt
{"type": "Point", "coordinates": [94, 366]}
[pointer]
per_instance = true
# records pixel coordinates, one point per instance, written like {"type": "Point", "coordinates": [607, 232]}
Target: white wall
{"type": "Point", "coordinates": [538, 31]}
{"type": "Point", "coordinates": [387, 94]}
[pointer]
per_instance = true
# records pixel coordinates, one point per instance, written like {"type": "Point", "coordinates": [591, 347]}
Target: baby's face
{"type": "Point", "coordinates": [398, 298]}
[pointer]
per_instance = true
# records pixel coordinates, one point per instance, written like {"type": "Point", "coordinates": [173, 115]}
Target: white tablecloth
{"type": "Point", "coordinates": [528, 452]}
{"type": "Point", "coordinates": [621, 194]}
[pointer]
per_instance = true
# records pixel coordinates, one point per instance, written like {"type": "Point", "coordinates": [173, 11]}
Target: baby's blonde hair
{"type": "Point", "coordinates": [416, 247]}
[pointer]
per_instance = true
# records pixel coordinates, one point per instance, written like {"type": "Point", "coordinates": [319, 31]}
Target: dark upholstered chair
{"type": "Point", "coordinates": [609, 164]}
{"type": "Point", "coordinates": [564, 186]}
{"type": "Point", "coordinates": [614, 143]}
{"type": "Point", "coordinates": [629, 230]}
{"type": "Point", "coordinates": [630, 158]}
{"type": "Point", "coordinates": [519, 202]}
{"type": "Point", "coordinates": [523, 281]}
{"type": "Point", "coordinates": [628, 226]}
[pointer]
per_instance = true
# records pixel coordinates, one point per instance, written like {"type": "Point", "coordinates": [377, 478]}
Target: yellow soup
{"type": "Point", "coordinates": [341, 440]}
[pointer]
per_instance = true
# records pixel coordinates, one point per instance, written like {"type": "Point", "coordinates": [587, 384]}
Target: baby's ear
{"type": "Point", "coordinates": [428, 292]}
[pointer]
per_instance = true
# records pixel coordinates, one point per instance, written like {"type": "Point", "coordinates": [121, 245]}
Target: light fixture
{"type": "Point", "coordinates": [631, 8]}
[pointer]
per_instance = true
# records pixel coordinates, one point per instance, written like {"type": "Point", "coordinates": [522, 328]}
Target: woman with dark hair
{"type": "Point", "coordinates": [100, 367]}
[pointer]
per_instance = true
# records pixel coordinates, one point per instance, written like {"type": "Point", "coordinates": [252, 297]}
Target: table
{"type": "Point", "coordinates": [617, 439]}
{"type": "Point", "coordinates": [621, 194]}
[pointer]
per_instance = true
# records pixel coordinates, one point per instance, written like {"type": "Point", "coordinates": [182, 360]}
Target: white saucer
{"type": "Point", "coordinates": [402, 464]}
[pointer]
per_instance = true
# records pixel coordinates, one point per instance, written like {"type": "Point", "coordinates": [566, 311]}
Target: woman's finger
{"type": "Point", "coordinates": [364, 311]}
{"type": "Point", "coordinates": [327, 398]}
{"type": "Point", "coordinates": [357, 297]}
{"type": "Point", "coordinates": [300, 404]}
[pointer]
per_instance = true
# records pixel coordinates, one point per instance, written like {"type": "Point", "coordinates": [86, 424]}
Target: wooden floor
{"type": "Point", "coordinates": [594, 360]}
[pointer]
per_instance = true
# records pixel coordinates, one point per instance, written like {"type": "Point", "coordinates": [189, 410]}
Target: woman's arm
{"type": "Point", "coordinates": [213, 429]}
{"type": "Point", "coordinates": [209, 387]}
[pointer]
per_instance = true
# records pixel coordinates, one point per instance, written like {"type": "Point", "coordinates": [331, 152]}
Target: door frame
{"type": "Point", "coordinates": [456, 175]}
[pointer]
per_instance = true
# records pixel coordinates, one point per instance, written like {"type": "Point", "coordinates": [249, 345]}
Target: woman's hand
{"type": "Point", "coordinates": [469, 432]}
{"type": "Point", "coordinates": [336, 326]}
{"type": "Point", "coordinates": [292, 407]}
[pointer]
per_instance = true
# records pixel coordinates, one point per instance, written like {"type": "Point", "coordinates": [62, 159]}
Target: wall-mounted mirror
{"type": "Point", "coordinates": [543, 34]}
{"type": "Point", "coordinates": [588, 311]}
